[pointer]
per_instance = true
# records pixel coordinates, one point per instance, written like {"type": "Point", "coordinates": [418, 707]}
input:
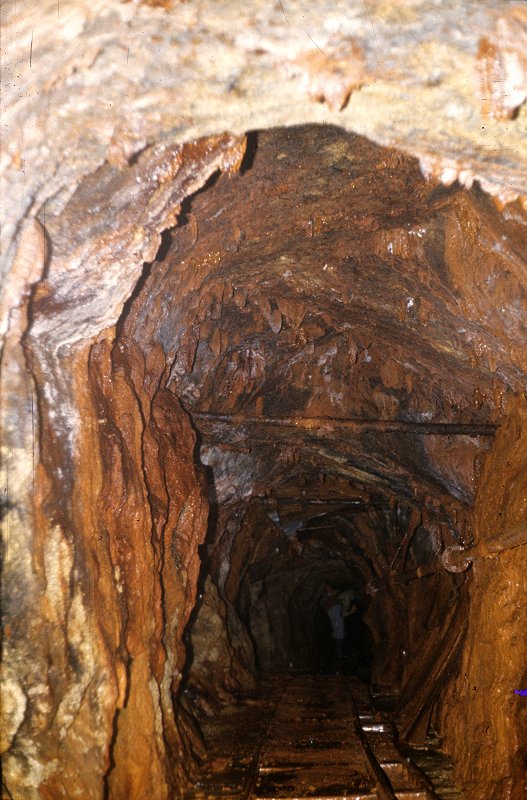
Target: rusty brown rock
{"type": "Point", "coordinates": [319, 355]}
{"type": "Point", "coordinates": [493, 663]}
{"type": "Point", "coordinates": [223, 660]}
{"type": "Point", "coordinates": [326, 281]}
{"type": "Point", "coordinates": [113, 561]}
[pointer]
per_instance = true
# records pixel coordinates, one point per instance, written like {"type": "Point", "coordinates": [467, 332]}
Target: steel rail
{"type": "Point", "coordinates": [421, 787]}
{"type": "Point", "coordinates": [251, 785]}
{"type": "Point", "coordinates": [418, 785]}
{"type": "Point", "coordinates": [383, 785]}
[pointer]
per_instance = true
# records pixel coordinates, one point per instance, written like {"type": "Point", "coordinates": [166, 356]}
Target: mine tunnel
{"type": "Point", "coordinates": [344, 397]}
{"type": "Point", "coordinates": [318, 379]}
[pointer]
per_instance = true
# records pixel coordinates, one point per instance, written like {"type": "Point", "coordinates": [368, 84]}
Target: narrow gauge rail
{"type": "Point", "coordinates": [325, 741]}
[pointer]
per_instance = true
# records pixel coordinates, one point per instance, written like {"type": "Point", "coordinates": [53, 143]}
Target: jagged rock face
{"type": "Point", "coordinates": [331, 280]}
{"type": "Point", "coordinates": [324, 285]}
{"type": "Point", "coordinates": [325, 281]}
{"type": "Point", "coordinates": [101, 558]}
{"type": "Point", "coordinates": [319, 354]}
{"type": "Point", "coordinates": [494, 658]}
{"type": "Point", "coordinates": [117, 567]}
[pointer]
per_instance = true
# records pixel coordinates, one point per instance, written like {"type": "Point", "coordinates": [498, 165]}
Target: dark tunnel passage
{"type": "Point", "coordinates": [318, 380]}
{"type": "Point", "coordinates": [339, 331]}
{"type": "Point", "coordinates": [311, 310]}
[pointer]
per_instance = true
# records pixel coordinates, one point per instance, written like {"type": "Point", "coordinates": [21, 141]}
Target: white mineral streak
{"type": "Point", "coordinates": [58, 562]}
{"type": "Point", "coordinates": [27, 269]}
{"type": "Point", "coordinates": [14, 703]}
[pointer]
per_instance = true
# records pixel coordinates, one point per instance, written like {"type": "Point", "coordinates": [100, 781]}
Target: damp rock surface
{"type": "Point", "coordinates": [339, 287]}
{"type": "Point", "coordinates": [418, 76]}
{"type": "Point", "coordinates": [221, 391]}
{"type": "Point", "coordinates": [319, 315]}
{"type": "Point", "coordinates": [301, 388]}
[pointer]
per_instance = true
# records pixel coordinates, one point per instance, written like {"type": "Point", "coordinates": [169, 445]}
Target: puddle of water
{"type": "Point", "coordinates": [437, 766]}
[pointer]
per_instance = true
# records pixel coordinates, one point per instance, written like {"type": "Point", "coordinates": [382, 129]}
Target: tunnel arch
{"type": "Point", "coordinates": [169, 376]}
{"type": "Point", "coordinates": [433, 376]}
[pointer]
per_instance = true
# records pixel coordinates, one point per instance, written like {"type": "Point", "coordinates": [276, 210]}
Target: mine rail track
{"type": "Point", "coordinates": [325, 741]}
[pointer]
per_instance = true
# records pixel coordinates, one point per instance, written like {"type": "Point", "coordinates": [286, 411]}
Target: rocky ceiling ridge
{"type": "Point", "coordinates": [193, 70]}
{"type": "Point", "coordinates": [310, 311]}
{"type": "Point", "coordinates": [323, 288]}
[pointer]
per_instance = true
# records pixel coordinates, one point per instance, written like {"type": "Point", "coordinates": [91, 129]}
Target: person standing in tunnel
{"type": "Point", "coordinates": [333, 608]}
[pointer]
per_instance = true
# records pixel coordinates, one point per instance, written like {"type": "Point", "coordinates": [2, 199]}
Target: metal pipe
{"type": "Point", "coordinates": [458, 559]}
{"type": "Point", "coordinates": [317, 501]}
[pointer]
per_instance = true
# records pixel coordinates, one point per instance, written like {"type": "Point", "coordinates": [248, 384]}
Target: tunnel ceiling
{"type": "Point", "coordinates": [327, 313]}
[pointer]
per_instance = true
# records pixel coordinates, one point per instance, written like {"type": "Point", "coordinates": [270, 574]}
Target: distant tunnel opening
{"type": "Point", "coordinates": [338, 330]}
{"type": "Point", "coordinates": [282, 602]}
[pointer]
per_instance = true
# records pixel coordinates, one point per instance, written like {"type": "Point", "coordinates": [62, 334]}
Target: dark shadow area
{"type": "Point", "coordinates": [186, 205]}
{"type": "Point", "coordinates": [139, 286]}
{"type": "Point", "coordinates": [359, 649]}
{"type": "Point", "coordinates": [250, 151]}
{"type": "Point", "coordinates": [205, 568]}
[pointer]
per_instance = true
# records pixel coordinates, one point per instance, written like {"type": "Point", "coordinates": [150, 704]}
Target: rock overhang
{"type": "Point", "coordinates": [321, 310]}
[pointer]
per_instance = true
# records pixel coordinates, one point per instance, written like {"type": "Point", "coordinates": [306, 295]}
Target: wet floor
{"type": "Point", "coordinates": [437, 766]}
{"type": "Point", "coordinates": [311, 748]}
{"type": "Point", "coordinates": [313, 737]}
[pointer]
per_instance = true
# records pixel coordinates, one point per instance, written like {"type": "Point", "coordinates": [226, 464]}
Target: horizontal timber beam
{"type": "Point", "coordinates": [354, 424]}
{"type": "Point", "coordinates": [321, 501]}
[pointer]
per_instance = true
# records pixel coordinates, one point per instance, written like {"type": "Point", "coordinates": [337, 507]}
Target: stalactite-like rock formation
{"type": "Point", "coordinates": [337, 291]}
{"type": "Point", "coordinates": [119, 505]}
{"type": "Point", "coordinates": [236, 366]}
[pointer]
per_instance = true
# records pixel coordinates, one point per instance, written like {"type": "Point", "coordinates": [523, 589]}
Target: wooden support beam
{"type": "Point", "coordinates": [353, 424]}
{"type": "Point", "coordinates": [316, 501]}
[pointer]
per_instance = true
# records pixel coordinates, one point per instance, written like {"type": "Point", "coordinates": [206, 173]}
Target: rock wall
{"type": "Point", "coordinates": [104, 504]}
{"type": "Point", "coordinates": [114, 500]}
{"type": "Point", "coordinates": [114, 574]}
{"type": "Point", "coordinates": [221, 667]}
{"type": "Point", "coordinates": [481, 701]}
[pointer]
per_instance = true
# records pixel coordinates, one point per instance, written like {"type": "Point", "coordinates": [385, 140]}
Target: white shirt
{"type": "Point", "coordinates": [337, 621]}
